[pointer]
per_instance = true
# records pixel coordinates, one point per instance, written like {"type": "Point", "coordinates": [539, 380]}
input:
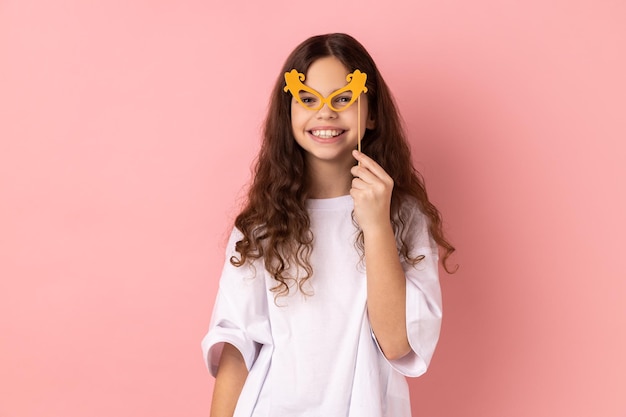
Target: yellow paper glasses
{"type": "Point", "coordinates": [337, 101]}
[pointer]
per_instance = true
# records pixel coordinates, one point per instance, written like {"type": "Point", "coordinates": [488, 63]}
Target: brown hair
{"type": "Point", "coordinates": [274, 221]}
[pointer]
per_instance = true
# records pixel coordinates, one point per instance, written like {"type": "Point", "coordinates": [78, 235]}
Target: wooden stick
{"type": "Point", "coordinates": [358, 129]}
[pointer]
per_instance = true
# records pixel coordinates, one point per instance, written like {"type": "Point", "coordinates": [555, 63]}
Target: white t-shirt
{"type": "Point", "coordinates": [316, 356]}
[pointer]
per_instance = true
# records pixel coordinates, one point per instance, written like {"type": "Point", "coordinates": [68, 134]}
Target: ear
{"type": "Point", "coordinates": [371, 123]}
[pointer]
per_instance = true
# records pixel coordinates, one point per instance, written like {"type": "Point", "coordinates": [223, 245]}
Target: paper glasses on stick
{"type": "Point", "coordinates": [338, 100]}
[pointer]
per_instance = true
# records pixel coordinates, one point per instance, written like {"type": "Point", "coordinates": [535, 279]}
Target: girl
{"type": "Point", "coordinates": [330, 293]}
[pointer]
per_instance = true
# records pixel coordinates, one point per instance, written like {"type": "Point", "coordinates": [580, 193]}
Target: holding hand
{"type": "Point", "coordinates": [371, 192]}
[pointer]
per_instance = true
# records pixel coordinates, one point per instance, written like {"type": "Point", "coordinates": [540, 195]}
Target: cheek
{"type": "Point", "coordinates": [366, 115]}
{"type": "Point", "coordinates": [298, 116]}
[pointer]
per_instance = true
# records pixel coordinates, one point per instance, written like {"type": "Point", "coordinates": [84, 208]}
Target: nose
{"type": "Point", "coordinates": [326, 112]}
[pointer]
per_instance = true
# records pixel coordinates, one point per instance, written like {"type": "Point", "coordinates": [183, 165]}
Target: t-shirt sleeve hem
{"type": "Point", "coordinates": [213, 345]}
{"type": "Point", "coordinates": [423, 315]}
{"type": "Point", "coordinates": [410, 365]}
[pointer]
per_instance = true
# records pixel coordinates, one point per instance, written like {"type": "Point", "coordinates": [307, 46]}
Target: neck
{"type": "Point", "coordinates": [328, 180]}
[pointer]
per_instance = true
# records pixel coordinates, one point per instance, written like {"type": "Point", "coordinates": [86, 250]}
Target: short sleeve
{"type": "Point", "coordinates": [240, 313]}
{"type": "Point", "coordinates": [423, 297]}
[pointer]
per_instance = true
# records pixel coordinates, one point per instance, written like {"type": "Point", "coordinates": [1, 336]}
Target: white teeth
{"type": "Point", "coordinates": [326, 134]}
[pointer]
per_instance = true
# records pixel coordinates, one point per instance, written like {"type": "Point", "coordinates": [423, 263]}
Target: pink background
{"type": "Point", "coordinates": [127, 130]}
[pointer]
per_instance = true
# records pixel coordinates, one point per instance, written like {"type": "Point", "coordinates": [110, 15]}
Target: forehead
{"type": "Point", "coordinates": [326, 75]}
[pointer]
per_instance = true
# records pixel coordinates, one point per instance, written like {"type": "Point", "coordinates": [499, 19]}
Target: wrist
{"type": "Point", "coordinates": [378, 230]}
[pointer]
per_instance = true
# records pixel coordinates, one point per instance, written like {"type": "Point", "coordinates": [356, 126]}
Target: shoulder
{"type": "Point", "coordinates": [413, 226]}
{"type": "Point", "coordinates": [234, 236]}
{"type": "Point", "coordinates": [410, 211]}
{"type": "Point", "coordinates": [238, 272]}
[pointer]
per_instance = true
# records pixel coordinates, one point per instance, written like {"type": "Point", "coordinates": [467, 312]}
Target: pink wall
{"type": "Point", "coordinates": [127, 130]}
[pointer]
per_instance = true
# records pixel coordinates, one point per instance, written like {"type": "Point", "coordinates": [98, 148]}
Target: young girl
{"type": "Point", "coordinates": [329, 295]}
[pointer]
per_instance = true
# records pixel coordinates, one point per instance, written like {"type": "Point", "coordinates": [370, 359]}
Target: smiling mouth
{"type": "Point", "coordinates": [327, 133]}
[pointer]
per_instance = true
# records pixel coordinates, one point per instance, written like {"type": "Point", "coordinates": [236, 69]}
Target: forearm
{"type": "Point", "coordinates": [231, 375]}
{"type": "Point", "coordinates": [371, 190]}
{"type": "Point", "coordinates": [386, 291]}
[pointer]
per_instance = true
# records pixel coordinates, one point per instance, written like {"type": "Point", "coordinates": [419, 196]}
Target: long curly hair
{"type": "Point", "coordinates": [274, 221]}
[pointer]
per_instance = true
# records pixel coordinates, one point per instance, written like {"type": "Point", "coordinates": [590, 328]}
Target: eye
{"type": "Point", "coordinates": [307, 99]}
{"type": "Point", "coordinates": [342, 100]}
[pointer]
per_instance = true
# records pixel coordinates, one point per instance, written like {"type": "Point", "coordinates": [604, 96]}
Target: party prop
{"type": "Point", "coordinates": [338, 100]}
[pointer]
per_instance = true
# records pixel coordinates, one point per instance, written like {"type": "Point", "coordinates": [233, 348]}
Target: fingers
{"type": "Point", "coordinates": [369, 171]}
{"type": "Point", "coordinates": [359, 184]}
{"type": "Point", "coordinates": [371, 191]}
{"type": "Point", "coordinates": [366, 161]}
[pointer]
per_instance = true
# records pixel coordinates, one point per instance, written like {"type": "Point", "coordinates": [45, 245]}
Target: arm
{"type": "Point", "coordinates": [386, 292]}
{"type": "Point", "coordinates": [231, 375]}
{"type": "Point", "coordinates": [386, 282]}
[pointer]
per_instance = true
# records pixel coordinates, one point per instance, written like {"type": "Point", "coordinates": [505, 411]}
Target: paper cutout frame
{"type": "Point", "coordinates": [356, 84]}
